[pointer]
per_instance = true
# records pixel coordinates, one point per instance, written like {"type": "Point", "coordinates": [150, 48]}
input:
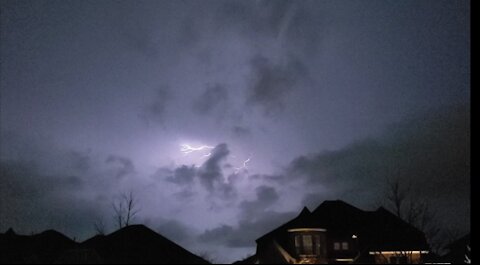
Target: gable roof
{"type": "Point", "coordinates": [386, 231]}
{"type": "Point", "coordinates": [339, 216]}
{"type": "Point", "coordinates": [131, 244]}
{"type": "Point", "coordinates": [40, 248]}
{"type": "Point", "coordinates": [138, 243]}
{"type": "Point", "coordinates": [376, 230]}
{"type": "Point", "coordinates": [302, 220]}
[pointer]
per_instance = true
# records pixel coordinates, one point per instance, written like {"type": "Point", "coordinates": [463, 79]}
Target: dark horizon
{"type": "Point", "coordinates": [122, 245]}
{"type": "Point", "coordinates": [226, 118]}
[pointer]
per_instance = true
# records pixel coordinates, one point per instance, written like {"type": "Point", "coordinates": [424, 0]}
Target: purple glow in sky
{"type": "Point", "coordinates": [225, 118]}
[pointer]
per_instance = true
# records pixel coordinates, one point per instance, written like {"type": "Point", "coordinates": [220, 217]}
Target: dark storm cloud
{"type": "Point", "coordinates": [305, 29]}
{"type": "Point", "coordinates": [430, 151]}
{"type": "Point", "coordinates": [213, 97]}
{"type": "Point", "coordinates": [262, 19]}
{"type": "Point", "coordinates": [255, 220]}
{"type": "Point", "coordinates": [266, 197]}
{"type": "Point", "coordinates": [296, 25]}
{"type": "Point", "coordinates": [80, 161]}
{"type": "Point", "coordinates": [138, 35]}
{"type": "Point", "coordinates": [67, 190]}
{"type": "Point", "coordinates": [210, 173]}
{"type": "Point", "coordinates": [245, 234]}
{"type": "Point", "coordinates": [298, 28]}
{"type": "Point", "coordinates": [124, 166]}
{"type": "Point", "coordinates": [46, 201]}
{"type": "Point", "coordinates": [313, 200]}
{"type": "Point", "coordinates": [185, 194]}
{"type": "Point", "coordinates": [182, 175]}
{"type": "Point", "coordinates": [241, 132]}
{"type": "Point", "coordinates": [152, 29]}
{"type": "Point", "coordinates": [172, 229]}
{"type": "Point", "coordinates": [272, 82]}
{"type": "Point", "coordinates": [23, 180]}
{"type": "Point", "coordinates": [80, 72]}
{"type": "Point", "coordinates": [226, 191]}
{"type": "Point", "coordinates": [157, 109]}
{"type": "Point", "coordinates": [163, 173]}
{"type": "Point", "coordinates": [274, 179]}
{"type": "Point", "coordinates": [217, 234]}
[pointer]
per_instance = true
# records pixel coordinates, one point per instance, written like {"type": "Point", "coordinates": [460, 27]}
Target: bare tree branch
{"type": "Point", "coordinates": [99, 227]}
{"type": "Point", "coordinates": [125, 209]}
{"type": "Point", "coordinates": [396, 195]}
{"type": "Point", "coordinates": [413, 211]}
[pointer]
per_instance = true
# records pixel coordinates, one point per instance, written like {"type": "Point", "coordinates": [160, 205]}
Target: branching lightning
{"type": "Point", "coordinates": [244, 167]}
{"type": "Point", "coordinates": [187, 149]}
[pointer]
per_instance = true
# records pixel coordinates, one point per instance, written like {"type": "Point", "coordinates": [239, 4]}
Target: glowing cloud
{"type": "Point", "coordinates": [187, 149]}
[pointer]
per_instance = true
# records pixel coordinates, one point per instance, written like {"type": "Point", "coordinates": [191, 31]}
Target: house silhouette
{"type": "Point", "coordinates": [458, 251]}
{"type": "Point", "coordinates": [337, 232]}
{"type": "Point", "coordinates": [131, 244]}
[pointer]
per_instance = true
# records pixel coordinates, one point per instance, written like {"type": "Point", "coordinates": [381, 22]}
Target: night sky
{"type": "Point", "coordinates": [293, 102]}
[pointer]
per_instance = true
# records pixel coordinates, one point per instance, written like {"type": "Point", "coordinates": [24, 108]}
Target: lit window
{"type": "Point", "coordinates": [298, 243]}
{"type": "Point", "coordinates": [344, 245]}
{"type": "Point", "coordinates": [336, 246]}
{"type": "Point", "coordinates": [308, 244]}
{"type": "Point", "coordinates": [317, 245]}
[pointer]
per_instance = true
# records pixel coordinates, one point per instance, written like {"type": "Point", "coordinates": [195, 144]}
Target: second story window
{"type": "Point", "coordinates": [336, 246]}
{"type": "Point", "coordinates": [298, 243]}
{"type": "Point", "coordinates": [341, 245]}
{"type": "Point", "coordinates": [307, 242]}
{"type": "Point", "coordinates": [307, 245]}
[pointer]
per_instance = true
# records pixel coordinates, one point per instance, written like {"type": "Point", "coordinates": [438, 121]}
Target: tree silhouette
{"type": "Point", "coordinates": [125, 209]}
{"type": "Point", "coordinates": [400, 199]}
{"type": "Point", "coordinates": [99, 227]}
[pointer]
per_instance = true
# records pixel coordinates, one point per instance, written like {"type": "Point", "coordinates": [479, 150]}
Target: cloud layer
{"type": "Point", "coordinates": [326, 100]}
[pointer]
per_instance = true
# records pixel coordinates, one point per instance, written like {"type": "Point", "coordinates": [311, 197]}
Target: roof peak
{"type": "Point", "coordinates": [334, 202]}
{"type": "Point", "coordinates": [134, 226]}
{"type": "Point", "coordinates": [305, 210]}
{"type": "Point", "coordinates": [338, 207]}
{"type": "Point", "coordinates": [51, 232]}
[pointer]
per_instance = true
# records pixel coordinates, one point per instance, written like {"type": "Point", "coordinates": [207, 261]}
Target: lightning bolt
{"type": "Point", "coordinates": [237, 169]}
{"type": "Point", "coordinates": [187, 149]}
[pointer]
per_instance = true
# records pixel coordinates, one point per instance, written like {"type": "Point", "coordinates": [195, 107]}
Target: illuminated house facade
{"type": "Point", "coordinates": [337, 232]}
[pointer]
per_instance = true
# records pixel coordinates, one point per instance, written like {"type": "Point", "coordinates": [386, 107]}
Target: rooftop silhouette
{"type": "Point", "coordinates": [131, 244]}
